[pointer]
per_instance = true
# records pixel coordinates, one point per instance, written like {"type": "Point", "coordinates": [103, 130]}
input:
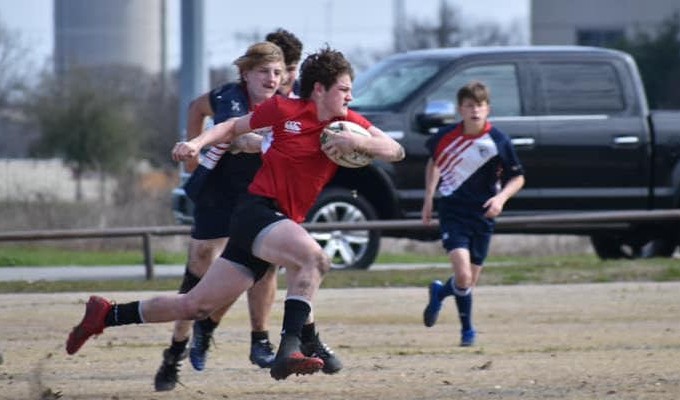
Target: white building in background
{"type": "Point", "coordinates": [94, 33]}
{"type": "Point", "coordinates": [595, 22]}
{"type": "Point", "coordinates": [47, 180]}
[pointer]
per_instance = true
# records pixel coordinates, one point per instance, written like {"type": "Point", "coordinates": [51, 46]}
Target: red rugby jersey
{"type": "Point", "coordinates": [294, 169]}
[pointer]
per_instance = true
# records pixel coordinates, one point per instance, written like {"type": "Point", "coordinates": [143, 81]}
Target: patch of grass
{"type": "Point", "coordinates": [509, 271]}
{"type": "Point", "coordinates": [53, 256]}
{"type": "Point", "coordinates": [26, 255]}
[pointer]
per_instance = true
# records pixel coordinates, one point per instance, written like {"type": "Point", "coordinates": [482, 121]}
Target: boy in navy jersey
{"type": "Point", "coordinates": [477, 171]}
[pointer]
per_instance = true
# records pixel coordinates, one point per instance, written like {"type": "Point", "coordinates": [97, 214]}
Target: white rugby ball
{"type": "Point", "coordinates": [354, 159]}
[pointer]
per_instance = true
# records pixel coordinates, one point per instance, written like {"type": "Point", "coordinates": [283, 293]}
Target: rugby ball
{"type": "Point", "coordinates": [354, 159]}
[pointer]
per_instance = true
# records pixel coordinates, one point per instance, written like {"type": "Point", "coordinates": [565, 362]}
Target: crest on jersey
{"type": "Point", "coordinates": [293, 126]}
{"type": "Point", "coordinates": [235, 106]}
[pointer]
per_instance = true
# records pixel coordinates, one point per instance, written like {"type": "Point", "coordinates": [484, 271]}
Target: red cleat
{"type": "Point", "coordinates": [92, 323]}
{"type": "Point", "coordinates": [295, 363]}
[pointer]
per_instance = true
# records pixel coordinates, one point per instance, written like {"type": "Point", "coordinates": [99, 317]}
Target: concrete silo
{"type": "Point", "coordinates": [95, 33]}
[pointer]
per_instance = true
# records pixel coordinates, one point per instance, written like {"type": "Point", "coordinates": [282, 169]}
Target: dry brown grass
{"type": "Point", "coordinates": [592, 341]}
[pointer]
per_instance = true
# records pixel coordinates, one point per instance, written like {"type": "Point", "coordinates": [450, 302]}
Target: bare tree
{"type": "Point", "coordinates": [88, 124]}
{"type": "Point", "coordinates": [449, 30]}
{"type": "Point", "coordinates": [12, 62]}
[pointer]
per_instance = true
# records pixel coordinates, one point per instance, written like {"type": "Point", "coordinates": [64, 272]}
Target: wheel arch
{"type": "Point", "coordinates": [373, 184]}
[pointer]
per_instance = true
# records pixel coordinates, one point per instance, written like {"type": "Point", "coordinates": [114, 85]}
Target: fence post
{"type": "Point", "coordinates": [148, 257]}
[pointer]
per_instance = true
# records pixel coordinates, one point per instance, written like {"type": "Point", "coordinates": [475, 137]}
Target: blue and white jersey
{"type": "Point", "coordinates": [472, 167]}
{"type": "Point", "coordinates": [222, 176]}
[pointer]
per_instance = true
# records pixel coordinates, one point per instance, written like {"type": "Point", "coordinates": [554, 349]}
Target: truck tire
{"type": "Point", "coordinates": [612, 247]}
{"type": "Point", "coordinates": [609, 246]}
{"type": "Point", "coordinates": [355, 249]}
{"type": "Point", "coordinates": [661, 247]}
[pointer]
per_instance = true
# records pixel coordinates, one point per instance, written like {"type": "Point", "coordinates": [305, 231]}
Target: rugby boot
{"type": "Point", "coordinates": [317, 348]}
{"type": "Point", "coordinates": [290, 360]}
{"type": "Point", "coordinates": [431, 312]}
{"type": "Point", "coordinates": [167, 376]}
{"type": "Point", "coordinates": [91, 324]}
{"type": "Point", "coordinates": [262, 353]}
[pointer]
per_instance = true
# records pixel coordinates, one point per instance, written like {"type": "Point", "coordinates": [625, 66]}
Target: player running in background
{"type": "Point", "coordinates": [477, 171]}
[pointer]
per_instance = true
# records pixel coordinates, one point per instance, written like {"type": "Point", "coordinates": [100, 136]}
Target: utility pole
{"type": "Point", "coordinates": [193, 73]}
{"type": "Point", "coordinates": [164, 50]}
{"type": "Point", "coordinates": [399, 12]}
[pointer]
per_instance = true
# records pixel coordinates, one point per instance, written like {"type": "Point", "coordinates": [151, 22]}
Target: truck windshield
{"type": "Point", "coordinates": [390, 82]}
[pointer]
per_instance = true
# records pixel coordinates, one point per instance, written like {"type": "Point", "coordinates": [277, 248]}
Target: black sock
{"type": "Point", "coordinates": [123, 314]}
{"type": "Point", "coordinates": [208, 325]}
{"type": "Point", "coordinates": [178, 347]}
{"type": "Point", "coordinates": [258, 336]}
{"type": "Point", "coordinates": [294, 316]}
{"type": "Point", "coordinates": [189, 281]}
{"type": "Point", "coordinates": [308, 333]}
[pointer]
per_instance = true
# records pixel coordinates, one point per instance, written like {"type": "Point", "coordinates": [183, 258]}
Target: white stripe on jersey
{"type": "Point", "coordinates": [213, 155]}
{"type": "Point", "coordinates": [461, 159]}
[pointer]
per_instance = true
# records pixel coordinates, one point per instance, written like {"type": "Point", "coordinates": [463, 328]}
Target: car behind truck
{"type": "Point", "coordinates": [577, 116]}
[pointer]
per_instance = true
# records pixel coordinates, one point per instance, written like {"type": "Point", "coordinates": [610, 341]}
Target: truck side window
{"type": "Point", "coordinates": [501, 80]}
{"type": "Point", "coordinates": [580, 88]}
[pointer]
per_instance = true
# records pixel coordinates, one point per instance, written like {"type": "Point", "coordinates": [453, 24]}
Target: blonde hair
{"type": "Point", "coordinates": [257, 54]}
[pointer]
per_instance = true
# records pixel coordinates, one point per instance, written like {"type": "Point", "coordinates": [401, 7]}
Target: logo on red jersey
{"type": "Point", "coordinates": [293, 127]}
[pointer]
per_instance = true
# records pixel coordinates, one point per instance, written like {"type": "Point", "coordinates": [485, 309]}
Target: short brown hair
{"type": "Point", "coordinates": [475, 91]}
{"type": "Point", "coordinates": [258, 54]}
{"type": "Point", "coordinates": [324, 66]}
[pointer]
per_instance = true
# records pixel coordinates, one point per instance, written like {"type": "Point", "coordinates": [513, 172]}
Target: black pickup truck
{"type": "Point", "coordinates": [578, 118]}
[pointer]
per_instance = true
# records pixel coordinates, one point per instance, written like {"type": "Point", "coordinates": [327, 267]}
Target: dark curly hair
{"type": "Point", "coordinates": [324, 66]}
{"type": "Point", "coordinates": [289, 44]}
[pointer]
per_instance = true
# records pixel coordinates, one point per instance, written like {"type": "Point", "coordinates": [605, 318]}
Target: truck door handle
{"type": "Point", "coordinates": [626, 140]}
{"type": "Point", "coordinates": [523, 141]}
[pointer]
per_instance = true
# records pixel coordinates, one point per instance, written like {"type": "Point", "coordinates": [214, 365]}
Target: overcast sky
{"type": "Point", "coordinates": [344, 24]}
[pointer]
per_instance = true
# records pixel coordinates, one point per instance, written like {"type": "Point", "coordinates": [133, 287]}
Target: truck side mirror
{"type": "Point", "coordinates": [437, 113]}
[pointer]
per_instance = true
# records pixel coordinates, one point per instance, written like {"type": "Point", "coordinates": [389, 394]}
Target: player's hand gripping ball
{"type": "Point", "coordinates": [354, 159]}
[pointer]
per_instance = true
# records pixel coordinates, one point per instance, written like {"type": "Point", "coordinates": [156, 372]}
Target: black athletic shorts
{"type": "Point", "coordinates": [212, 222]}
{"type": "Point", "coordinates": [250, 217]}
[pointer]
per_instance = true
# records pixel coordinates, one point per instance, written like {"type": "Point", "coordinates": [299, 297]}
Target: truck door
{"type": "Point", "coordinates": [593, 146]}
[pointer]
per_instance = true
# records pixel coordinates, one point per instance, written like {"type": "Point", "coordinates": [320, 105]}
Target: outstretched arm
{"type": "Point", "coordinates": [223, 132]}
{"type": "Point", "coordinates": [250, 142]}
{"type": "Point", "coordinates": [199, 109]}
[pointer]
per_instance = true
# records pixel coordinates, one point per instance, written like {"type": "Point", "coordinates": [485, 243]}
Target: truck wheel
{"type": "Point", "coordinates": [613, 247]}
{"type": "Point", "coordinates": [348, 249]}
{"type": "Point", "coordinates": [661, 247]}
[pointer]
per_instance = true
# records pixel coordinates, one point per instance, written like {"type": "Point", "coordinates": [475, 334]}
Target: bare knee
{"type": "Point", "coordinates": [463, 280]}
{"type": "Point", "coordinates": [194, 310]}
{"type": "Point", "coordinates": [321, 262]}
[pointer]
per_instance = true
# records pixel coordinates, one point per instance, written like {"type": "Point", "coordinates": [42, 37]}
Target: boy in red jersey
{"type": "Point", "coordinates": [266, 227]}
{"type": "Point", "coordinates": [215, 186]}
{"type": "Point", "coordinates": [477, 171]}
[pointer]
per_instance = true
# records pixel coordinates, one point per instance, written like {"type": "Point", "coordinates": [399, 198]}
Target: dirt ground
{"type": "Point", "coordinates": [594, 341]}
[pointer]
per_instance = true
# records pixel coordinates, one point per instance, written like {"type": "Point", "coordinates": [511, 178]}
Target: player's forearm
{"type": "Point", "coordinates": [220, 133]}
{"type": "Point", "coordinates": [511, 188]}
{"type": "Point", "coordinates": [248, 143]}
{"type": "Point", "coordinates": [381, 146]}
{"type": "Point", "coordinates": [431, 179]}
{"type": "Point", "coordinates": [194, 125]}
